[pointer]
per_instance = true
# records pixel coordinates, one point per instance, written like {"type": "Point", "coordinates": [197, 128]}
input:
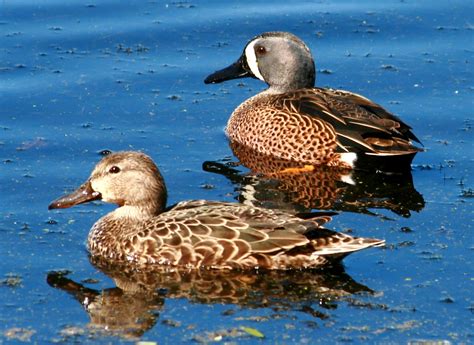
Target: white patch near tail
{"type": "Point", "coordinates": [252, 60]}
{"type": "Point", "coordinates": [348, 179]}
{"type": "Point", "coordinates": [349, 158]}
{"type": "Point", "coordinates": [248, 194]}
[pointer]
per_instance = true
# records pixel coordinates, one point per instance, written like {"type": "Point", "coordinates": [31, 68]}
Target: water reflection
{"type": "Point", "coordinates": [133, 306]}
{"type": "Point", "coordinates": [274, 183]}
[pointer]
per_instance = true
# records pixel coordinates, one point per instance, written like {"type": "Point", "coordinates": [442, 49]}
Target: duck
{"type": "Point", "coordinates": [142, 232]}
{"type": "Point", "coordinates": [294, 120]}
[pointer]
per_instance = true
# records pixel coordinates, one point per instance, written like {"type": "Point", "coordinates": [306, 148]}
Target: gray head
{"type": "Point", "coordinates": [280, 59]}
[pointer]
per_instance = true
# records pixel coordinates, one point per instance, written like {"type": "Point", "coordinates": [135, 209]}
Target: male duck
{"type": "Point", "coordinates": [197, 233]}
{"type": "Point", "coordinates": [294, 120]}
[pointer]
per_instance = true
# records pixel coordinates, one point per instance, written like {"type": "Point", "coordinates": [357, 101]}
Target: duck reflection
{"type": "Point", "coordinates": [112, 312]}
{"type": "Point", "coordinates": [132, 307]}
{"type": "Point", "coordinates": [277, 183]}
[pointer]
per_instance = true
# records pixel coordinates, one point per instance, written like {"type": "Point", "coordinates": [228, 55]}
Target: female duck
{"type": "Point", "coordinates": [296, 121]}
{"type": "Point", "coordinates": [197, 233]}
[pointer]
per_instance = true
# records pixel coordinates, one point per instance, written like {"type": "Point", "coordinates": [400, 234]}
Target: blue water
{"type": "Point", "coordinates": [77, 78]}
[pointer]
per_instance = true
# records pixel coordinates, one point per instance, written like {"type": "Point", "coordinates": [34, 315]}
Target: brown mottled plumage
{"type": "Point", "coordinates": [197, 233]}
{"type": "Point", "coordinates": [294, 120]}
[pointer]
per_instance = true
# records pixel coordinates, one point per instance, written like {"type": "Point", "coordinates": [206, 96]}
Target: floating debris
{"type": "Point", "coordinates": [183, 4]}
{"type": "Point", "coordinates": [405, 244]}
{"type": "Point", "coordinates": [207, 186]}
{"type": "Point", "coordinates": [253, 332]}
{"type": "Point", "coordinates": [220, 44]}
{"type": "Point", "coordinates": [389, 67]}
{"type": "Point", "coordinates": [451, 28]}
{"type": "Point", "coordinates": [21, 334]}
{"type": "Point", "coordinates": [467, 193]}
{"type": "Point", "coordinates": [218, 335]}
{"type": "Point", "coordinates": [228, 312]}
{"type": "Point", "coordinates": [174, 98]}
{"type": "Point", "coordinates": [172, 323]}
{"type": "Point", "coordinates": [139, 48]}
{"type": "Point", "coordinates": [35, 143]}
{"type": "Point", "coordinates": [325, 71]}
{"type": "Point", "coordinates": [447, 299]}
{"type": "Point", "coordinates": [429, 342]}
{"type": "Point", "coordinates": [71, 332]}
{"type": "Point", "coordinates": [12, 280]}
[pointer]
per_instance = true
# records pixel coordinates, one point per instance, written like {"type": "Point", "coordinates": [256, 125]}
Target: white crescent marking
{"type": "Point", "coordinates": [252, 60]}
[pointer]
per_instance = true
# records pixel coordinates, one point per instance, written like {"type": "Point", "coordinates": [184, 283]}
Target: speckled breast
{"type": "Point", "coordinates": [263, 123]}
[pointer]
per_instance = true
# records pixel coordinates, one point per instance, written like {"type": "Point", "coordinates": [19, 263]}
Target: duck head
{"type": "Point", "coordinates": [123, 178]}
{"type": "Point", "coordinates": [280, 59]}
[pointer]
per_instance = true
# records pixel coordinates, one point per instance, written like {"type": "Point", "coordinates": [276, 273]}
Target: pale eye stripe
{"type": "Point", "coordinates": [252, 60]}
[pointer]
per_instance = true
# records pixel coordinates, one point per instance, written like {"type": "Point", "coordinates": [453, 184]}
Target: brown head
{"type": "Point", "coordinates": [125, 178]}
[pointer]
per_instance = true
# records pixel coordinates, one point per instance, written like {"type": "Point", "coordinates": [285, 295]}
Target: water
{"type": "Point", "coordinates": [78, 78]}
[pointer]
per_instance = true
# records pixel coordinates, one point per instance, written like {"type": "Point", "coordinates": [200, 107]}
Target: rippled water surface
{"type": "Point", "coordinates": [77, 78]}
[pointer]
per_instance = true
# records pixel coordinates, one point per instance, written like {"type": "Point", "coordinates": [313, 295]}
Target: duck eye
{"type": "Point", "coordinates": [260, 50]}
{"type": "Point", "coordinates": [114, 170]}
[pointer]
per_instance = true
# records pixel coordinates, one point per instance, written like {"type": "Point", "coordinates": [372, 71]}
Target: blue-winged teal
{"type": "Point", "coordinates": [197, 233]}
{"type": "Point", "coordinates": [296, 121]}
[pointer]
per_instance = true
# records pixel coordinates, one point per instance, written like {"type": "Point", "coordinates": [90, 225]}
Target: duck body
{"type": "Point", "coordinates": [202, 233]}
{"type": "Point", "coordinates": [294, 120]}
{"type": "Point", "coordinates": [198, 234]}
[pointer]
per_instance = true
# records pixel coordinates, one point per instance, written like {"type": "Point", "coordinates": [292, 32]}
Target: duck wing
{"type": "Point", "coordinates": [239, 229]}
{"type": "Point", "coordinates": [214, 234]}
{"type": "Point", "coordinates": [360, 124]}
{"type": "Point", "coordinates": [373, 111]}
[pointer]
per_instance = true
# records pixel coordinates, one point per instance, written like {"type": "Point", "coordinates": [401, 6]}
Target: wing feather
{"type": "Point", "coordinates": [354, 119]}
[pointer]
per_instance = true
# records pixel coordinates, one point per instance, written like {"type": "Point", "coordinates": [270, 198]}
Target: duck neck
{"type": "Point", "coordinates": [300, 74]}
{"type": "Point", "coordinates": [133, 212]}
{"type": "Point", "coordinates": [274, 90]}
{"type": "Point", "coordinates": [143, 210]}
{"type": "Point", "coordinates": [144, 206]}
{"type": "Point", "coordinates": [289, 86]}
